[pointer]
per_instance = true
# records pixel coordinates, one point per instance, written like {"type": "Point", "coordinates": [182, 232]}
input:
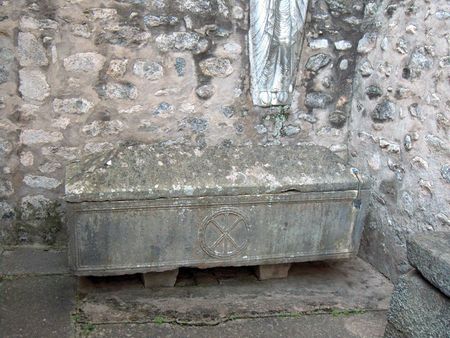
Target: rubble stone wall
{"type": "Point", "coordinates": [399, 130]}
{"type": "Point", "coordinates": [79, 77]}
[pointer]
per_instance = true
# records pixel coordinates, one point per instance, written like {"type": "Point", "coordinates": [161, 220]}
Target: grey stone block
{"type": "Point", "coordinates": [160, 279]}
{"type": "Point", "coordinates": [430, 254]}
{"type": "Point", "coordinates": [418, 309]}
{"type": "Point", "coordinates": [272, 271]}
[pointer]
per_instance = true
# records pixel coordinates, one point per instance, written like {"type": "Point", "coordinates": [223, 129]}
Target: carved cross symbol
{"type": "Point", "coordinates": [226, 224]}
{"type": "Point", "coordinates": [225, 233]}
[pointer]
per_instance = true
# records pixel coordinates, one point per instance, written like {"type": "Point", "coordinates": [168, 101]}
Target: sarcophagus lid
{"type": "Point", "coordinates": [147, 208]}
{"type": "Point", "coordinates": [152, 172]}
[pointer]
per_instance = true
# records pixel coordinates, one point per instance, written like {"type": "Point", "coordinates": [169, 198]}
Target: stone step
{"type": "Point", "coordinates": [430, 254]}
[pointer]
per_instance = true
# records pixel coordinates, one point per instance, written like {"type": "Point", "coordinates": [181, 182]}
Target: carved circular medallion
{"type": "Point", "coordinates": [224, 234]}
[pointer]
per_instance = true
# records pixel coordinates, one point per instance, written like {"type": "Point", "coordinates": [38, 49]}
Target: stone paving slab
{"type": "Point", "coordinates": [33, 261]}
{"type": "Point", "coordinates": [310, 287]}
{"type": "Point", "coordinates": [36, 306]}
{"type": "Point", "coordinates": [430, 254]}
{"type": "Point", "coordinates": [39, 299]}
{"type": "Point", "coordinates": [368, 325]}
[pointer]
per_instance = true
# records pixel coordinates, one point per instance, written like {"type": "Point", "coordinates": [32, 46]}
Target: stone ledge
{"type": "Point", "coordinates": [430, 254]}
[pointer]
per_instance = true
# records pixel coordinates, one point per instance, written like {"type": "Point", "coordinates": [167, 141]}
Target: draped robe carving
{"type": "Point", "coordinates": [275, 42]}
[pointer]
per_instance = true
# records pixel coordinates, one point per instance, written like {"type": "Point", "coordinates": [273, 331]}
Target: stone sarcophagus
{"type": "Point", "coordinates": [142, 209]}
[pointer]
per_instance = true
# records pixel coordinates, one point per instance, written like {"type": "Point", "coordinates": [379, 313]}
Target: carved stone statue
{"type": "Point", "coordinates": [275, 40]}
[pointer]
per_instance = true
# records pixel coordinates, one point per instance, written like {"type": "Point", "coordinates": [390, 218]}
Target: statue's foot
{"type": "Point", "coordinates": [265, 98]}
{"type": "Point", "coordinates": [274, 98]}
{"type": "Point", "coordinates": [282, 97]}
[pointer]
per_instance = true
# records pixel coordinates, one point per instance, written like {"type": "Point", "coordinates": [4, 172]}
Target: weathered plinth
{"type": "Point", "coordinates": [142, 209]}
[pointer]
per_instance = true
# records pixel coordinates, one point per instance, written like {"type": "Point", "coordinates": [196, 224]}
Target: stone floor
{"type": "Point", "coordinates": [39, 298]}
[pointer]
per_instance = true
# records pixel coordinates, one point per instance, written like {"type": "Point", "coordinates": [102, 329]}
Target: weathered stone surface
{"type": "Point", "coordinates": [6, 55]}
{"type": "Point", "coordinates": [418, 309]}
{"type": "Point", "coordinates": [41, 182]}
{"type": "Point", "coordinates": [310, 287]}
{"type": "Point", "coordinates": [161, 20]}
{"type": "Point", "coordinates": [36, 207]}
{"type": "Point", "coordinates": [430, 254]}
{"type": "Point", "coordinates": [227, 111]}
{"type": "Point", "coordinates": [317, 100]}
{"type": "Point", "coordinates": [6, 187]}
{"type": "Point", "coordinates": [418, 62]}
{"type": "Point", "coordinates": [182, 41]}
{"type": "Point", "coordinates": [205, 92]}
{"type": "Point", "coordinates": [4, 74]}
{"type": "Point", "coordinates": [162, 108]}
{"type": "Point", "coordinates": [198, 125]}
{"type": "Point", "coordinates": [81, 30]}
{"type": "Point", "coordinates": [37, 136]}
{"type": "Point", "coordinates": [95, 147]}
{"type": "Point", "coordinates": [445, 172]}
{"type": "Point", "coordinates": [318, 44]}
{"type": "Point", "coordinates": [99, 128]}
{"type": "Point", "coordinates": [118, 90]}
{"type": "Point", "coordinates": [28, 23]}
{"type": "Point", "coordinates": [6, 211]}
{"type": "Point", "coordinates": [30, 51]}
{"type": "Point", "coordinates": [337, 118]}
{"type": "Point", "coordinates": [77, 106]}
{"type": "Point", "coordinates": [367, 43]}
{"type": "Point", "coordinates": [123, 35]}
{"type": "Point", "coordinates": [195, 6]}
{"type": "Point", "coordinates": [117, 68]}
{"type": "Point", "coordinates": [148, 69]}
{"type": "Point", "coordinates": [90, 62]}
{"type": "Point", "coordinates": [33, 85]}
{"type": "Point", "coordinates": [222, 161]}
{"type": "Point", "coordinates": [374, 92]}
{"type": "Point", "coordinates": [180, 66]}
{"type": "Point", "coordinates": [317, 62]}
{"type": "Point", "coordinates": [216, 67]}
{"type": "Point", "coordinates": [343, 45]}
{"type": "Point", "coordinates": [33, 261]}
{"type": "Point", "coordinates": [46, 302]}
{"type": "Point", "coordinates": [103, 13]}
{"type": "Point", "coordinates": [366, 68]}
{"type": "Point", "coordinates": [26, 158]}
{"type": "Point", "coordinates": [384, 111]}
{"type": "Point", "coordinates": [67, 153]}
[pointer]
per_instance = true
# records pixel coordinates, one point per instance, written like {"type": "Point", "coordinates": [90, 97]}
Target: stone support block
{"type": "Point", "coordinates": [272, 271]}
{"type": "Point", "coordinates": [160, 279]}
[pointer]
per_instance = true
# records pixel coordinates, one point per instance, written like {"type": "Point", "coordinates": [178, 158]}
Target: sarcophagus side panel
{"type": "Point", "coordinates": [155, 235]}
